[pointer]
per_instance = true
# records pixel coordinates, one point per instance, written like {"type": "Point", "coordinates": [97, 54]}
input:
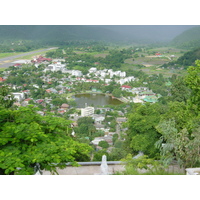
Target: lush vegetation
{"type": "Point", "coordinates": [28, 138]}
{"type": "Point", "coordinates": [167, 130]}
{"type": "Point", "coordinates": [189, 39]}
{"type": "Point", "coordinates": [184, 61]}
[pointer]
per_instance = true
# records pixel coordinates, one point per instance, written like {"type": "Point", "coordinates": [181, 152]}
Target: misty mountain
{"type": "Point", "coordinates": [112, 33]}
{"type": "Point", "coordinates": [149, 33]}
{"type": "Point", "coordinates": [55, 32]}
{"type": "Point", "coordinates": [188, 39]}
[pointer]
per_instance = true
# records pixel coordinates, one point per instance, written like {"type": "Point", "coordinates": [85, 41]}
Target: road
{"type": "Point", "coordinates": [6, 62]}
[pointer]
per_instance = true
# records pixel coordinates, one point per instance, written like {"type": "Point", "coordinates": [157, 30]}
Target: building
{"type": "Point", "coordinates": [87, 112]}
{"type": "Point", "coordinates": [76, 73]}
{"type": "Point", "coordinates": [125, 87]}
{"type": "Point", "coordinates": [19, 96]}
{"type": "Point", "coordinates": [2, 79]}
{"type": "Point", "coordinates": [92, 70]}
{"type": "Point", "coordinates": [55, 67]}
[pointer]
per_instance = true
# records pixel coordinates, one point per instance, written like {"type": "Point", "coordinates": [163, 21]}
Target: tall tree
{"type": "Point", "coordinates": [27, 138]}
{"type": "Point", "coordinates": [6, 98]}
{"type": "Point", "coordinates": [178, 145]}
{"type": "Point", "coordinates": [193, 82]}
{"type": "Point", "coordinates": [141, 133]}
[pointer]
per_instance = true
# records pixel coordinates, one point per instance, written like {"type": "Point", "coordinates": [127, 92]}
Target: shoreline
{"type": "Point", "coordinates": [119, 99]}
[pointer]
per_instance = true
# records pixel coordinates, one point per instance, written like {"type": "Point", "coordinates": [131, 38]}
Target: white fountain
{"type": "Point", "coordinates": [104, 166]}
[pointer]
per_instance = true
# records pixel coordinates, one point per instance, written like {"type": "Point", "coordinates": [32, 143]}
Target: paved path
{"type": "Point", "coordinates": [6, 62]}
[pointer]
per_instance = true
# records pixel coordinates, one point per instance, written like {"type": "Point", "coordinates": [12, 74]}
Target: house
{"type": "Point", "coordinates": [76, 73]}
{"type": "Point", "coordinates": [40, 59]}
{"type": "Point", "coordinates": [61, 111]}
{"type": "Point", "coordinates": [98, 118]}
{"type": "Point", "coordinates": [55, 67]}
{"type": "Point", "coordinates": [121, 119]}
{"type": "Point", "coordinates": [1, 79]}
{"type": "Point", "coordinates": [17, 104]}
{"type": "Point", "coordinates": [158, 54]}
{"type": "Point", "coordinates": [39, 101]}
{"type": "Point", "coordinates": [92, 70]}
{"type": "Point", "coordinates": [97, 140]}
{"type": "Point", "coordinates": [137, 99]}
{"type": "Point", "coordinates": [88, 111]}
{"type": "Point", "coordinates": [91, 81]}
{"type": "Point", "coordinates": [19, 96]}
{"type": "Point", "coordinates": [51, 90]}
{"type": "Point", "coordinates": [125, 87]}
{"type": "Point", "coordinates": [64, 106]}
{"type": "Point", "coordinates": [151, 99]}
{"type": "Point", "coordinates": [147, 93]}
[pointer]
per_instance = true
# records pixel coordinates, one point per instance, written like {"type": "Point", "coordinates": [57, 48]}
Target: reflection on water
{"type": "Point", "coordinates": [94, 100]}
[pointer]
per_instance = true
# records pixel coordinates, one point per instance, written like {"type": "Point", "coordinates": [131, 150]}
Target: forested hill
{"type": "Point", "coordinates": [53, 34]}
{"type": "Point", "coordinates": [188, 59]}
{"type": "Point", "coordinates": [188, 39]}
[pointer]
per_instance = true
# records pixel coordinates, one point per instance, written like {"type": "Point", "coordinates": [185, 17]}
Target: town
{"type": "Point", "coordinates": [97, 100]}
{"type": "Point", "coordinates": [51, 86]}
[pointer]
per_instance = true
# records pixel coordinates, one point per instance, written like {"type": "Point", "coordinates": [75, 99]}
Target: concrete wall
{"type": "Point", "coordinates": [93, 168]}
{"type": "Point", "coordinates": [86, 170]}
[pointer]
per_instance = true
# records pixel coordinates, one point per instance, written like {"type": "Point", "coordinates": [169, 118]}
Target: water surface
{"type": "Point", "coordinates": [94, 100]}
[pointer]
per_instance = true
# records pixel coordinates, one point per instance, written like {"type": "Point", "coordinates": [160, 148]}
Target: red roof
{"type": "Point", "coordinates": [1, 79]}
{"type": "Point", "coordinates": [126, 86]}
{"type": "Point", "coordinates": [40, 59]}
{"type": "Point", "coordinates": [40, 101]}
{"type": "Point", "coordinates": [27, 99]}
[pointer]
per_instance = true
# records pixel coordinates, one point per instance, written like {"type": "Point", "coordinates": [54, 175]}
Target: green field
{"type": "Point", "coordinates": [2, 69]}
{"type": "Point", "coordinates": [153, 63]}
{"type": "Point", "coordinates": [95, 54]}
{"type": "Point", "coordinates": [4, 55]}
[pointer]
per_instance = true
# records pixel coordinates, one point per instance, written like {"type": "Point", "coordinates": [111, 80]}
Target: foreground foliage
{"type": "Point", "coordinates": [27, 138]}
{"type": "Point", "coordinates": [144, 166]}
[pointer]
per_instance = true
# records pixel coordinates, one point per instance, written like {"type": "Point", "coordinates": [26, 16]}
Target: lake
{"type": "Point", "coordinates": [94, 100]}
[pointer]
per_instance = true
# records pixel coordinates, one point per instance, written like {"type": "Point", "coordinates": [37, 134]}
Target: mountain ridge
{"type": "Point", "coordinates": [113, 33]}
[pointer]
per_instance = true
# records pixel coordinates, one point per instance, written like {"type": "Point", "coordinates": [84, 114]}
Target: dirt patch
{"type": "Point", "coordinates": [147, 65]}
{"type": "Point", "coordinates": [103, 55]}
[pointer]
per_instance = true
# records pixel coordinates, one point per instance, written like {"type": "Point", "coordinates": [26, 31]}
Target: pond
{"type": "Point", "coordinates": [94, 100]}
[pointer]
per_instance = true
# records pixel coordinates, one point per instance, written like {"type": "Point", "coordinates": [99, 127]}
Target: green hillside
{"type": "Point", "coordinates": [188, 39]}
{"type": "Point", "coordinates": [53, 33]}
{"type": "Point", "coordinates": [188, 59]}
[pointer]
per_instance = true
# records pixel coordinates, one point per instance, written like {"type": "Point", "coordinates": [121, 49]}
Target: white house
{"type": "Point", "coordinates": [92, 70]}
{"type": "Point", "coordinates": [19, 96]}
{"type": "Point", "coordinates": [76, 73]}
{"type": "Point", "coordinates": [55, 67]}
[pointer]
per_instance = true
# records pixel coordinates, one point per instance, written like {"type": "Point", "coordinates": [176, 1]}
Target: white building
{"type": "Point", "coordinates": [76, 73]}
{"type": "Point", "coordinates": [55, 67]}
{"type": "Point", "coordinates": [92, 70]}
{"type": "Point", "coordinates": [87, 112]}
{"type": "Point", "coordinates": [125, 80]}
{"type": "Point", "coordinates": [107, 81]}
{"type": "Point", "coordinates": [19, 96]}
{"type": "Point", "coordinates": [122, 74]}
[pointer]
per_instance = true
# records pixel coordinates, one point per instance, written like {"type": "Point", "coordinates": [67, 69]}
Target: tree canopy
{"type": "Point", "coordinates": [27, 138]}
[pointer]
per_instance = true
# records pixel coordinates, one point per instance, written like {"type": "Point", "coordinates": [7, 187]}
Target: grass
{"type": "Point", "coordinates": [4, 55]}
{"type": "Point", "coordinates": [2, 69]}
{"type": "Point", "coordinates": [95, 54]}
{"type": "Point", "coordinates": [35, 54]}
